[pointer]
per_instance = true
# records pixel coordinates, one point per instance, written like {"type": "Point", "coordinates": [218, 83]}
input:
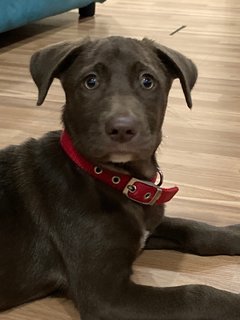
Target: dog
{"type": "Point", "coordinates": [78, 206]}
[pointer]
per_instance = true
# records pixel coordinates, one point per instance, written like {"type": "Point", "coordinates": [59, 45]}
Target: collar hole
{"type": "Point", "coordinates": [98, 170]}
{"type": "Point", "coordinates": [147, 195]}
{"type": "Point", "coordinates": [116, 179]}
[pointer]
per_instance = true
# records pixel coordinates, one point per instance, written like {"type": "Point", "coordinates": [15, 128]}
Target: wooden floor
{"type": "Point", "coordinates": [201, 148]}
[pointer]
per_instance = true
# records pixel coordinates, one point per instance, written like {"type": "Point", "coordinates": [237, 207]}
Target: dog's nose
{"type": "Point", "coordinates": [122, 129]}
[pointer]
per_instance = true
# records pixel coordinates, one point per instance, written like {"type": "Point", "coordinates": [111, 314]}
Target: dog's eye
{"type": "Point", "coordinates": [91, 81]}
{"type": "Point", "coordinates": [147, 81]}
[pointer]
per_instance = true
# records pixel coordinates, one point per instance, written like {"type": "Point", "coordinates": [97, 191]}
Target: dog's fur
{"type": "Point", "coordinates": [63, 231]}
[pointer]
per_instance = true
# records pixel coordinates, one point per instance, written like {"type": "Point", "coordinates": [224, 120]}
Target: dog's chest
{"type": "Point", "coordinates": [152, 218]}
{"type": "Point", "coordinates": [143, 239]}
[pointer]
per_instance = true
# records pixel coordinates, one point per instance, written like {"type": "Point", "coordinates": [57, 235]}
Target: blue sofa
{"type": "Point", "coordinates": [16, 13]}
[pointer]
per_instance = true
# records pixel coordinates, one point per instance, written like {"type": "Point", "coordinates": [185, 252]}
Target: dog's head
{"type": "Point", "coordinates": [116, 93]}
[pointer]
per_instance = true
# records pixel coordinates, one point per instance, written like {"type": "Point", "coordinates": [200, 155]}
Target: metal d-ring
{"type": "Point", "coordinates": [160, 177]}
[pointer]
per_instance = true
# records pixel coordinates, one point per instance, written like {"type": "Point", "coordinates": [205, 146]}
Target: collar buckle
{"type": "Point", "coordinates": [143, 192]}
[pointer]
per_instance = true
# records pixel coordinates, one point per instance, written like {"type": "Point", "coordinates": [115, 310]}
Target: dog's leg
{"type": "Point", "coordinates": [132, 301]}
{"type": "Point", "coordinates": [195, 237]}
{"type": "Point", "coordinates": [101, 289]}
{"type": "Point", "coordinates": [98, 266]}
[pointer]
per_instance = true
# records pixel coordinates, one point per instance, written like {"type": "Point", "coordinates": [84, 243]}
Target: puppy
{"type": "Point", "coordinates": [77, 206]}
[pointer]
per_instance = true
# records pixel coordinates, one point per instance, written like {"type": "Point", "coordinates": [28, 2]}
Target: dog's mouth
{"type": "Point", "coordinates": [121, 157]}
{"type": "Point", "coordinates": [117, 159]}
{"type": "Point", "coordinates": [141, 169]}
{"type": "Point", "coordinates": [125, 152]}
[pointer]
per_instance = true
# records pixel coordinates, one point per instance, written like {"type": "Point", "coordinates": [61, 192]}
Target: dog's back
{"type": "Point", "coordinates": [24, 246]}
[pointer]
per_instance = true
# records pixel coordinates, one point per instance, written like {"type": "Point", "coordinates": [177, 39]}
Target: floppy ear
{"type": "Point", "coordinates": [179, 66]}
{"type": "Point", "coordinates": [48, 63]}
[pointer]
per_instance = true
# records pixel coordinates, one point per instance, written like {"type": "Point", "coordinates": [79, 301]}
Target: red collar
{"type": "Point", "coordinates": [143, 192]}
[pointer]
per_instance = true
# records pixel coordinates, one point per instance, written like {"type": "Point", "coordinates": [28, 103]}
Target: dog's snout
{"type": "Point", "coordinates": [122, 129]}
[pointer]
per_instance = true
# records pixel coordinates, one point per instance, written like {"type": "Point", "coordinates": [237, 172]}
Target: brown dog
{"type": "Point", "coordinates": [74, 211]}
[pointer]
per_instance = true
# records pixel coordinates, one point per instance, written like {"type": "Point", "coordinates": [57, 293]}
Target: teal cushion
{"type": "Point", "coordinates": [15, 13]}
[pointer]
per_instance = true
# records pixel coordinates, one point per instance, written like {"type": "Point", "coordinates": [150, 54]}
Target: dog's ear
{"type": "Point", "coordinates": [48, 63]}
{"type": "Point", "coordinates": [178, 65]}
